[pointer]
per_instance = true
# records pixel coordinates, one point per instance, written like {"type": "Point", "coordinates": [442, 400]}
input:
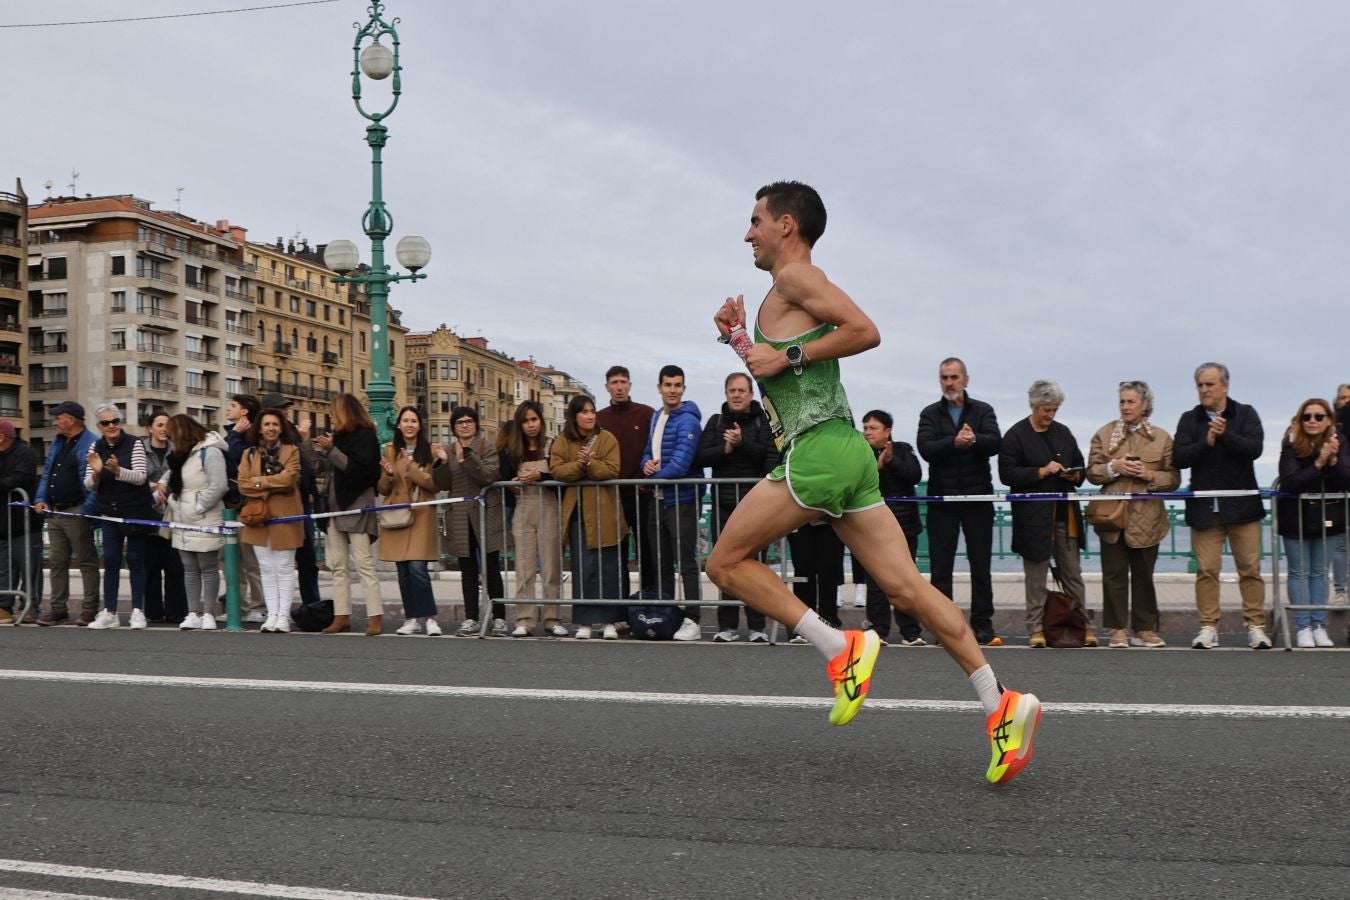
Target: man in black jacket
{"type": "Point", "coordinates": [18, 471]}
{"type": "Point", "coordinates": [1219, 441]}
{"type": "Point", "coordinates": [898, 473]}
{"type": "Point", "coordinates": [957, 436]}
{"type": "Point", "coordinates": [736, 443]}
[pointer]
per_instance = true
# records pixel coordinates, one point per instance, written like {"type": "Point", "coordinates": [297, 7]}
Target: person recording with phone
{"type": "Point", "coordinates": [1040, 456]}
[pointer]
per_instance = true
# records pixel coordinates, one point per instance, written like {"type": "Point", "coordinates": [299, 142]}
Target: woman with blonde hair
{"type": "Point", "coordinates": [1313, 460]}
{"type": "Point", "coordinates": [350, 455]}
{"type": "Point", "coordinates": [406, 465]}
{"type": "Point", "coordinates": [1131, 455]}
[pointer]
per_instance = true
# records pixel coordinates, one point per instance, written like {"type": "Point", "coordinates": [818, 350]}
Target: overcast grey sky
{"type": "Point", "coordinates": [1082, 191]}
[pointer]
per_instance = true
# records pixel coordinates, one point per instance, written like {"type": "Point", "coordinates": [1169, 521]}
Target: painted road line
{"type": "Point", "coordinates": [667, 699]}
{"type": "Point", "coordinates": [188, 882]}
{"type": "Point", "coordinates": [9, 893]}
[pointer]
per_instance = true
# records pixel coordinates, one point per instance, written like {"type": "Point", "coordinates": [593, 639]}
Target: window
{"type": "Point", "coordinates": [311, 343]}
{"type": "Point", "coordinates": [339, 346]}
{"type": "Point", "coordinates": [363, 379]}
{"type": "Point", "coordinates": [327, 312]}
{"type": "Point", "coordinates": [454, 370]}
{"type": "Point", "coordinates": [391, 351]}
{"type": "Point", "coordinates": [262, 331]}
{"type": "Point", "coordinates": [311, 308]}
{"type": "Point", "coordinates": [232, 357]}
{"type": "Point", "coordinates": [276, 298]}
{"type": "Point", "coordinates": [295, 339]}
{"type": "Point", "coordinates": [56, 267]}
{"type": "Point", "coordinates": [54, 304]}
{"type": "Point", "coordinates": [232, 386]}
{"type": "Point", "coordinates": [119, 340]}
{"type": "Point", "coordinates": [119, 265]}
{"type": "Point", "coordinates": [363, 342]}
{"type": "Point", "coordinates": [262, 296]}
{"type": "Point", "coordinates": [342, 316]}
{"type": "Point", "coordinates": [325, 343]}
{"type": "Point", "coordinates": [295, 304]}
{"type": "Point", "coordinates": [119, 301]}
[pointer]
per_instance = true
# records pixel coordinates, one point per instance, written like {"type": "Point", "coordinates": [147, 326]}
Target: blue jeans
{"type": "Point", "coordinates": [1338, 562]}
{"type": "Point", "coordinates": [595, 576]}
{"type": "Point", "coordinates": [1307, 579]}
{"type": "Point", "coordinates": [112, 565]}
{"type": "Point", "coordinates": [414, 586]}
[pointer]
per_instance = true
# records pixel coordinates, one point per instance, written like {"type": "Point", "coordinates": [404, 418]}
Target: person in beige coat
{"type": "Point", "coordinates": [467, 467]}
{"type": "Point", "coordinates": [592, 514]}
{"type": "Point", "coordinates": [270, 470]}
{"type": "Point", "coordinates": [1131, 455]}
{"type": "Point", "coordinates": [535, 526]}
{"type": "Point", "coordinates": [406, 477]}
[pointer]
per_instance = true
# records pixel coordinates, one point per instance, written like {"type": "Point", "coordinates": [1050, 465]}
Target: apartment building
{"type": "Point", "coordinates": [448, 371]}
{"type": "Point", "coordinates": [313, 336]}
{"type": "Point", "coordinates": [13, 311]}
{"type": "Point", "coordinates": [148, 309]}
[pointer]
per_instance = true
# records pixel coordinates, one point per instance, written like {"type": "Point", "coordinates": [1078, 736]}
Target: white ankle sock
{"type": "Point", "coordinates": [825, 637]}
{"type": "Point", "coordinates": [987, 688]}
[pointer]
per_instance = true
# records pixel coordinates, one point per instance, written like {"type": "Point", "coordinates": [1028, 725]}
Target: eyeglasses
{"type": "Point", "coordinates": [465, 422]}
{"type": "Point", "coordinates": [108, 423]}
{"type": "Point", "coordinates": [1314, 417]}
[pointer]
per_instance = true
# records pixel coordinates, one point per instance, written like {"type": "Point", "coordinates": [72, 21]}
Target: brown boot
{"type": "Point", "coordinates": [374, 626]}
{"type": "Point", "coordinates": [338, 625]}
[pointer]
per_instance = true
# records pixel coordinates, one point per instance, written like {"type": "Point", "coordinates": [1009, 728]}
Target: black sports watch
{"type": "Point", "coordinates": [796, 358]}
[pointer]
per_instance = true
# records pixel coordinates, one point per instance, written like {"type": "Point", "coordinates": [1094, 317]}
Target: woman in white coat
{"type": "Point", "coordinates": [196, 494]}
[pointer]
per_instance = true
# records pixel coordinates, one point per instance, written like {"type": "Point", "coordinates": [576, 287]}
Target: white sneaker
{"type": "Point", "coordinates": [105, 619]}
{"type": "Point", "coordinates": [860, 595]}
{"type": "Point", "coordinates": [138, 619]}
{"type": "Point", "coordinates": [726, 637]}
{"type": "Point", "coordinates": [208, 622]}
{"type": "Point", "coordinates": [610, 633]}
{"type": "Point", "coordinates": [255, 618]}
{"type": "Point", "coordinates": [409, 627]}
{"type": "Point", "coordinates": [520, 631]}
{"type": "Point", "coordinates": [1207, 639]}
{"type": "Point", "coordinates": [556, 630]}
{"type": "Point", "coordinates": [468, 628]}
{"type": "Point", "coordinates": [269, 624]}
{"type": "Point", "coordinates": [1304, 641]}
{"type": "Point", "coordinates": [689, 631]}
{"type": "Point", "coordinates": [283, 624]}
{"type": "Point", "coordinates": [758, 637]}
{"type": "Point", "coordinates": [583, 633]}
{"type": "Point", "coordinates": [1257, 638]}
{"type": "Point", "coordinates": [798, 639]}
{"type": "Point", "coordinates": [1321, 638]}
{"type": "Point", "coordinates": [433, 628]}
{"type": "Point", "coordinates": [192, 621]}
{"type": "Point", "coordinates": [499, 628]}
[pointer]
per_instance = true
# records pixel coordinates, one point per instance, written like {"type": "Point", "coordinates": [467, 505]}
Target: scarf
{"type": "Point", "coordinates": [270, 458]}
{"type": "Point", "coordinates": [1123, 431]}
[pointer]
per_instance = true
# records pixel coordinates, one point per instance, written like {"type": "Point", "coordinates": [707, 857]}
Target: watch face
{"type": "Point", "coordinates": [794, 355]}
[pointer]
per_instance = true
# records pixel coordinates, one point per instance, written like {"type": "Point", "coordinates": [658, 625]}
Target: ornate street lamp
{"type": "Point", "coordinates": [377, 62]}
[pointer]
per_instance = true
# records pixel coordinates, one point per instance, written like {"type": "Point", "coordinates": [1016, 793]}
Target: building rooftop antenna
{"type": "Point", "coordinates": [178, 201]}
{"type": "Point", "coordinates": [74, 177]}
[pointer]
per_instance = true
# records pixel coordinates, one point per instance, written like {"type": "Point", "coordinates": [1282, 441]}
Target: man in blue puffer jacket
{"type": "Point", "coordinates": [672, 452]}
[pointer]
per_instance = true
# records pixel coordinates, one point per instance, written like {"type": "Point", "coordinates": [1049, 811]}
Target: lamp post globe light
{"type": "Point", "coordinates": [377, 61]}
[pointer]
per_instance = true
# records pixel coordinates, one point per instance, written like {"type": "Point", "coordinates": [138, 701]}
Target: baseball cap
{"type": "Point", "coordinates": [69, 407]}
{"type": "Point", "coordinates": [274, 400]}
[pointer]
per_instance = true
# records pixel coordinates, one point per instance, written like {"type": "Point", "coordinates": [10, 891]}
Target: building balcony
{"type": "Point", "coordinates": [238, 362]}
{"type": "Point", "coordinates": [331, 359]}
{"type": "Point", "coordinates": [163, 385]}
{"type": "Point", "coordinates": [157, 349]}
{"type": "Point", "coordinates": [203, 321]}
{"type": "Point", "coordinates": [238, 293]}
{"type": "Point", "coordinates": [39, 421]}
{"type": "Point", "coordinates": [199, 390]}
{"type": "Point", "coordinates": [200, 356]}
{"type": "Point", "coordinates": [9, 282]}
{"type": "Point", "coordinates": [51, 312]}
{"type": "Point", "coordinates": [8, 199]}
{"type": "Point", "coordinates": [204, 287]}
{"type": "Point", "coordinates": [285, 348]}
{"type": "Point", "coordinates": [11, 369]}
{"type": "Point", "coordinates": [156, 275]}
{"type": "Point", "coordinates": [238, 327]}
{"type": "Point", "coordinates": [46, 349]}
{"type": "Point", "coordinates": [40, 387]}
{"type": "Point", "coordinates": [155, 312]}
{"type": "Point", "coordinates": [10, 240]}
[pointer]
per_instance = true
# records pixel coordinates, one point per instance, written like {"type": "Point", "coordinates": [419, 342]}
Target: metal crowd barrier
{"type": "Point", "coordinates": [1334, 555]}
{"type": "Point", "coordinates": [30, 564]}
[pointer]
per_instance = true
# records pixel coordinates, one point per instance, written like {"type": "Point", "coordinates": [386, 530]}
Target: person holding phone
{"type": "Point", "coordinates": [1128, 456]}
{"type": "Point", "coordinates": [116, 470]}
{"type": "Point", "coordinates": [406, 478]}
{"type": "Point", "coordinates": [1040, 456]}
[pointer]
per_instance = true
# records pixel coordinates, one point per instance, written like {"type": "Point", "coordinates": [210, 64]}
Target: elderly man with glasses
{"type": "Point", "coordinates": [61, 490]}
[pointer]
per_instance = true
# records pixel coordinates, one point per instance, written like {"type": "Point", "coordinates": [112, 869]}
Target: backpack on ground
{"type": "Point", "coordinates": [651, 621]}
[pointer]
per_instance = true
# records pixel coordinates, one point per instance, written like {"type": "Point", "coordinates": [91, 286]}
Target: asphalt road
{"type": "Point", "coordinates": [430, 795]}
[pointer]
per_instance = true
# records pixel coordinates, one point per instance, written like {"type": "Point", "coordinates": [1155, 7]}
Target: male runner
{"type": "Point", "coordinates": [805, 325]}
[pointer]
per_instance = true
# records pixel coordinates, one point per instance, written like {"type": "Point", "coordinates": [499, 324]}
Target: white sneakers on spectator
{"type": "Point", "coordinates": [583, 633]}
{"type": "Point", "coordinates": [557, 630]}
{"type": "Point", "coordinates": [726, 637]}
{"type": "Point", "coordinates": [192, 621]}
{"type": "Point", "coordinates": [411, 626]}
{"type": "Point", "coordinates": [208, 622]}
{"type": "Point", "coordinates": [1321, 638]}
{"type": "Point", "coordinates": [1257, 638]}
{"type": "Point", "coordinates": [105, 619]}
{"type": "Point", "coordinates": [255, 618]}
{"type": "Point", "coordinates": [758, 637]}
{"type": "Point", "coordinates": [499, 628]}
{"type": "Point", "coordinates": [1315, 636]}
{"type": "Point", "coordinates": [138, 619]}
{"type": "Point", "coordinates": [689, 631]}
{"type": "Point", "coordinates": [433, 628]}
{"type": "Point", "coordinates": [269, 624]}
{"type": "Point", "coordinates": [860, 595]}
{"type": "Point", "coordinates": [283, 625]}
{"type": "Point", "coordinates": [1207, 639]}
{"type": "Point", "coordinates": [610, 633]}
{"type": "Point", "coordinates": [1304, 639]}
{"type": "Point", "coordinates": [468, 628]}
{"type": "Point", "coordinates": [520, 631]}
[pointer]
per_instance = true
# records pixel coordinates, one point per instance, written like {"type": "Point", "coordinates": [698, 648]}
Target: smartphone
{"type": "Point", "coordinates": [1072, 470]}
{"type": "Point", "coordinates": [1132, 459]}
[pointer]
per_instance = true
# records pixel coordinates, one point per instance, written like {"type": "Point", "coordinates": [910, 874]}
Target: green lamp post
{"type": "Point", "coordinates": [377, 62]}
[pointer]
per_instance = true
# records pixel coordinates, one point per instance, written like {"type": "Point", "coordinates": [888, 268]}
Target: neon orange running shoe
{"type": "Point", "coordinates": [851, 672]}
{"type": "Point", "coordinates": [1011, 730]}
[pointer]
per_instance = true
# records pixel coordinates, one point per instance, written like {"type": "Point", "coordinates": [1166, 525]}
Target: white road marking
{"type": "Point", "coordinates": [189, 882]}
{"type": "Point", "coordinates": [21, 894]}
{"type": "Point", "coordinates": [669, 699]}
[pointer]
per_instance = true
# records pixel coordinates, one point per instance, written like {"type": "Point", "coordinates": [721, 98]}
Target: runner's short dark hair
{"type": "Point", "coordinates": [617, 370]}
{"type": "Point", "coordinates": [799, 201]}
{"type": "Point", "coordinates": [671, 371]}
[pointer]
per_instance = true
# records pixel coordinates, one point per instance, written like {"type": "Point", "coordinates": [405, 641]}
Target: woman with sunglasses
{"type": "Point", "coordinates": [406, 466]}
{"type": "Point", "coordinates": [116, 471]}
{"type": "Point", "coordinates": [1313, 460]}
{"type": "Point", "coordinates": [468, 466]}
